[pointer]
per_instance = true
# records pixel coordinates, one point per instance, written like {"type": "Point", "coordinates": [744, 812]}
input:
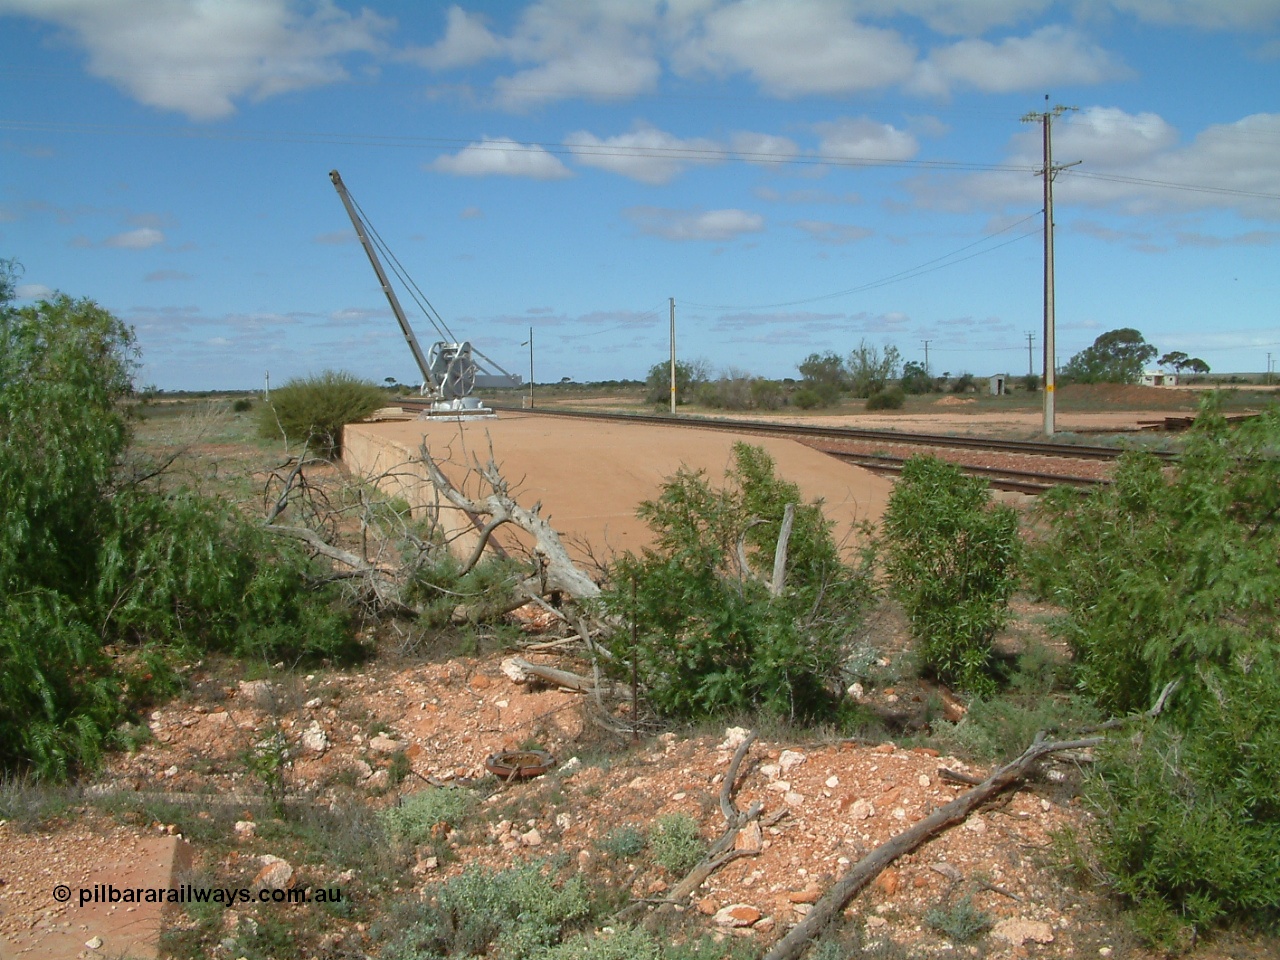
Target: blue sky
{"type": "Point", "coordinates": [798, 174]}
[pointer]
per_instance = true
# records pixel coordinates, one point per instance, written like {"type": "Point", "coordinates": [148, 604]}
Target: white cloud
{"type": "Point", "coordinates": [958, 16]}
{"type": "Point", "coordinates": [466, 41]}
{"type": "Point", "coordinates": [33, 291]}
{"type": "Point", "coordinates": [1050, 56]}
{"type": "Point", "coordinates": [764, 147]}
{"type": "Point", "coordinates": [716, 225]}
{"type": "Point", "coordinates": [646, 154]}
{"type": "Point", "coordinates": [198, 57]}
{"type": "Point", "coordinates": [1134, 164]}
{"type": "Point", "coordinates": [139, 239]}
{"type": "Point", "coordinates": [863, 139]}
{"type": "Point", "coordinates": [796, 47]}
{"type": "Point", "coordinates": [825, 231]}
{"type": "Point", "coordinates": [1212, 14]}
{"type": "Point", "coordinates": [501, 156]}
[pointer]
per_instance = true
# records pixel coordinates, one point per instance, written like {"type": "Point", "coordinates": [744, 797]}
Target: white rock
{"type": "Point", "coordinates": [856, 690]}
{"type": "Point", "coordinates": [770, 770]}
{"type": "Point", "coordinates": [832, 782]}
{"type": "Point", "coordinates": [976, 824]}
{"type": "Point", "coordinates": [515, 673]}
{"type": "Point", "coordinates": [245, 829]}
{"type": "Point", "coordinates": [736, 915]}
{"type": "Point", "coordinates": [923, 780]}
{"type": "Point", "coordinates": [733, 738]}
{"type": "Point", "coordinates": [789, 759]}
{"type": "Point", "coordinates": [314, 739]}
{"type": "Point", "coordinates": [1018, 932]}
{"type": "Point", "coordinates": [793, 799]}
{"type": "Point", "coordinates": [531, 839]}
{"type": "Point", "coordinates": [261, 693]}
{"type": "Point", "coordinates": [94, 944]}
{"type": "Point", "coordinates": [862, 810]}
{"type": "Point", "coordinates": [384, 744]}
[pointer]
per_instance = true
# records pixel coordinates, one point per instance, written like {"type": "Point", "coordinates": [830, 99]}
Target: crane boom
{"type": "Point", "coordinates": [423, 365]}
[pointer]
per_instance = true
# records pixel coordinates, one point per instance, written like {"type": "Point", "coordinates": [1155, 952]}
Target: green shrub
{"type": "Point", "coordinates": [313, 410]}
{"type": "Point", "coordinates": [1171, 575]}
{"type": "Point", "coordinates": [510, 915]}
{"type": "Point", "coordinates": [676, 843]}
{"type": "Point", "coordinates": [712, 640]}
{"type": "Point", "coordinates": [962, 922]}
{"type": "Point", "coordinates": [624, 842]}
{"type": "Point", "coordinates": [950, 555]}
{"type": "Point", "coordinates": [242, 405]}
{"type": "Point", "coordinates": [891, 398]}
{"type": "Point", "coordinates": [419, 813]}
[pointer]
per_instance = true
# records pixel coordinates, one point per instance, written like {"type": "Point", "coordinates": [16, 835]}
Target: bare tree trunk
{"type": "Point", "coordinates": [557, 572]}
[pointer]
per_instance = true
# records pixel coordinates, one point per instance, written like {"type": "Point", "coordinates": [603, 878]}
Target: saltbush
{"type": "Point", "coordinates": [951, 557]}
{"type": "Point", "coordinates": [891, 398]}
{"type": "Point", "coordinates": [711, 637]}
{"type": "Point", "coordinates": [314, 409]}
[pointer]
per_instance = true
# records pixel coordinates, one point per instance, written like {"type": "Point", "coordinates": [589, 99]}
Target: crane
{"type": "Point", "coordinates": [450, 371]}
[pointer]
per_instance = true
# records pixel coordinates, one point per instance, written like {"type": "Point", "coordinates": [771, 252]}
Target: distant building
{"type": "Point", "coordinates": [1158, 378]}
{"type": "Point", "coordinates": [998, 388]}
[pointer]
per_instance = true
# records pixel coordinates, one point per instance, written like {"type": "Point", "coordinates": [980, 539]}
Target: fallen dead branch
{"type": "Point", "coordinates": [723, 851]}
{"type": "Point", "coordinates": [556, 571]}
{"type": "Point", "coordinates": [858, 876]}
{"type": "Point", "coordinates": [561, 678]}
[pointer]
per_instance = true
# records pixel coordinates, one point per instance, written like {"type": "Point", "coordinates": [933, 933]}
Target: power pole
{"type": "Point", "coordinates": [926, 354]}
{"type": "Point", "coordinates": [529, 343]}
{"type": "Point", "coordinates": [1045, 119]}
{"type": "Point", "coordinates": [673, 356]}
{"type": "Point", "coordinates": [266, 383]}
{"type": "Point", "coordinates": [1031, 370]}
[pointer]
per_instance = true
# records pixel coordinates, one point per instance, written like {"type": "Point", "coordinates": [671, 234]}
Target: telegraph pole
{"type": "Point", "coordinates": [1045, 119]}
{"type": "Point", "coordinates": [926, 354]}
{"type": "Point", "coordinates": [673, 356]}
{"type": "Point", "coordinates": [1031, 370]}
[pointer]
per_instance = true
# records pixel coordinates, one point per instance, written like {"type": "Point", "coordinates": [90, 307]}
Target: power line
{"type": "Point", "coordinates": [909, 274]}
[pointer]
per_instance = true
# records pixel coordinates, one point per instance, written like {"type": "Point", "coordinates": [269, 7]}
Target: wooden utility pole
{"type": "Point", "coordinates": [1045, 119]}
{"type": "Point", "coordinates": [673, 355]}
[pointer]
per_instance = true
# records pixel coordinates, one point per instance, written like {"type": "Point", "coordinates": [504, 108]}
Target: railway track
{"type": "Point", "coordinates": [1016, 465]}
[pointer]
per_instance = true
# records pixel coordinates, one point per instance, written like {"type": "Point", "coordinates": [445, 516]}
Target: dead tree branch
{"type": "Point", "coordinates": [780, 554]}
{"type": "Point", "coordinates": [557, 571]}
{"type": "Point", "coordinates": [794, 944]}
{"type": "Point", "coordinates": [723, 851]}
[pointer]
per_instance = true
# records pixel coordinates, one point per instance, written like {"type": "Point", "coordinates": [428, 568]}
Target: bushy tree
{"type": "Point", "coordinates": [950, 555]}
{"type": "Point", "coordinates": [1171, 575]}
{"type": "Point", "coordinates": [92, 561]}
{"type": "Point", "coordinates": [1117, 356]}
{"type": "Point", "coordinates": [713, 639]}
{"type": "Point", "coordinates": [870, 369]}
{"type": "Point", "coordinates": [314, 409]}
{"type": "Point", "coordinates": [823, 378]}
{"type": "Point", "coordinates": [916, 379]}
{"type": "Point", "coordinates": [689, 374]}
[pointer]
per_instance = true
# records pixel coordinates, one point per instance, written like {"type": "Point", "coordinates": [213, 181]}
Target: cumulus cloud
{"type": "Point", "coordinates": [502, 156]}
{"type": "Point", "coordinates": [795, 47]}
{"type": "Point", "coordinates": [1050, 55]}
{"type": "Point", "coordinates": [198, 58]}
{"type": "Point", "coordinates": [646, 154]}
{"type": "Point", "coordinates": [764, 147]}
{"type": "Point", "coordinates": [716, 225]}
{"type": "Point", "coordinates": [1134, 164]}
{"type": "Point", "coordinates": [140, 239]}
{"type": "Point", "coordinates": [863, 139]}
{"type": "Point", "coordinates": [466, 40]}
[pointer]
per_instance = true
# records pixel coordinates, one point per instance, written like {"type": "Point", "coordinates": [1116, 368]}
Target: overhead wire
{"type": "Point", "coordinates": [919, 270]}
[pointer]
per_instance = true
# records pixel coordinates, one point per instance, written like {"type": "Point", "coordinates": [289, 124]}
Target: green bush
{"type": "Point", "coordinates": [419, 813]}
{"type": "Point", "coordinates": [510, 915]}
{"type": "Point", "coordinates": [313, 410]}
{"type": "Point", "coordinates": [676, 843]}
{"type": "Point", "coordinates": [891, 398]}
{"type": "Point", "coordinates": [1171, 575]}
{"type": "Point", "coordinates": [712, 640]}
{"type": "Point", "coordinates": [951, 555]}
{"type": "Point", "coordinates": [104, 581]}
